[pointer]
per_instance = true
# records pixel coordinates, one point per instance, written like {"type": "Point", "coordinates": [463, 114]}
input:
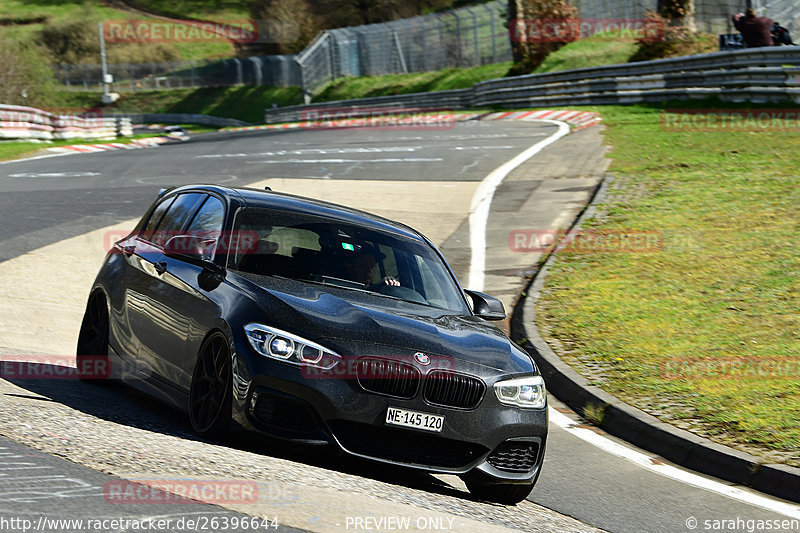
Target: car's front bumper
{"type": "Point", "coordinates": [285, 401]}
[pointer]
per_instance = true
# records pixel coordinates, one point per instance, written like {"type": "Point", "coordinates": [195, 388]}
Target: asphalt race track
{"type": "Point", "coordinates": [423, 177]}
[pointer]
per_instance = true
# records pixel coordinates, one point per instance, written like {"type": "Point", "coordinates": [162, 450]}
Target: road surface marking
{"type": "Point", "coordinates": [482, 201]}
{"type": "Point", "coordinates": [690, 478]}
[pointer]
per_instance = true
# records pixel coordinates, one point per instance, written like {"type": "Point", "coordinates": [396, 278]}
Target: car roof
{"type": "Point", "coordinates": [269, 199]}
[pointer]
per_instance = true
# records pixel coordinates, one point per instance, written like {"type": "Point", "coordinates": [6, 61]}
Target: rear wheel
{"type": "Point", "coordinates": [92, 352]}
{"type": "Point", "coordinates": [210, 392]}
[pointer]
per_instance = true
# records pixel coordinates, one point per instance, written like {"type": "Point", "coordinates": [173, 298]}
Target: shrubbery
{"type": "Point", "coordinates": [22, 69]}
{"type": "Point", "coordinates": [73, 40]}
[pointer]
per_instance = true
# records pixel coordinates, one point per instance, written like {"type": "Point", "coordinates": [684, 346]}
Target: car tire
{"type": "Point", "coordinates": [93, 339]}
{"type": "Point", "coordinates": [505, 493]}
{"type": "Point", "coordinates": [210, 391]}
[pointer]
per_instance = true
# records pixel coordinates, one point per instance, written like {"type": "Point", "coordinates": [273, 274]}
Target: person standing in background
{"type": "Point", "coordinates": [755, 30]}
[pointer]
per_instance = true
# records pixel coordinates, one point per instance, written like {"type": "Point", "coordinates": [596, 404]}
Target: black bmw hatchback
{"type": "Point", "coordinates": [318, 324]}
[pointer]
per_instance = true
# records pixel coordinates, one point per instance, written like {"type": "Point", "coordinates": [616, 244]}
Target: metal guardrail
{"type": "Point", "coordinates": [22, 122]}
{"type": "Point", "coordinates": [764, 74]}
{"type": "Point", "coordinates": [180, 118]}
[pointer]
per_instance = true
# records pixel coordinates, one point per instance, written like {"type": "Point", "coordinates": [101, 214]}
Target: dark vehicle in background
{"type": "Point", "coordinates": [318, 324]}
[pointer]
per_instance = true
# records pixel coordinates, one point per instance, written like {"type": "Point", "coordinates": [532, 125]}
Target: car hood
{"type": "Point", "coordinates": [354, 323]}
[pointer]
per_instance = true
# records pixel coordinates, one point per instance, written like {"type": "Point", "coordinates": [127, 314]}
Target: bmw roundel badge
{"type": "Point", "coordinates": [422, 358]}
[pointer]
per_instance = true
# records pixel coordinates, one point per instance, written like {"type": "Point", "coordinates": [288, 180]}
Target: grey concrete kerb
{"type": "Point", "coordinates": [631, 424]}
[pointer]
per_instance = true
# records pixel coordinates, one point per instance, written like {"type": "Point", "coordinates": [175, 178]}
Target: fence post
{"type": "Point", "coordinates": [494, 31]}
{"type": "Point", "coordinates": [441, 41]}
{"type": "Point", "coordinates": [475, 36]}
{"type": "Point", "coordinates": [399, 48]}
{"type": "Point", "coordinates": [458, 35]}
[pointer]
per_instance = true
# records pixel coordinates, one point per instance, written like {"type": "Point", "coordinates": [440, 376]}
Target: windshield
{"type": "Point", "coordinates": [325, 251]}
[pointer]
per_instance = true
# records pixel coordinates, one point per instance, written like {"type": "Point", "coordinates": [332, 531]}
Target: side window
{"type": "Point", "coordinates": [155, 218]}
{"type": "Point", "coordinates": [209, 219]}
{"type": "Point", "coordinates": [179, 212]}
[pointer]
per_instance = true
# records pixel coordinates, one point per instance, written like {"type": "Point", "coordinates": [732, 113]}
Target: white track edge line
{"type": "Point", "coordinates": [478, 219]}
{"type": "Point", "coordinates": [670, 471]}
{"type": "Point", "coordinates": [482, 200]}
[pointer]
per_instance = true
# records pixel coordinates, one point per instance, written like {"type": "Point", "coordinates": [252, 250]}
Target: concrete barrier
{"type": "Point", "coordinates": [22, 122]}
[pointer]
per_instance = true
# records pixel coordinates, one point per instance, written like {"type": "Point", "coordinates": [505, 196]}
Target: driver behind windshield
{"type": "Point", "coordinates": [360, 266]}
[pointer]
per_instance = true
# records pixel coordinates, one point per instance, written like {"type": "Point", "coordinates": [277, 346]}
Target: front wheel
{"type": "Point", "coordinates": [92, 351]}
{"type": "Point", "coordinates": [210, 391]}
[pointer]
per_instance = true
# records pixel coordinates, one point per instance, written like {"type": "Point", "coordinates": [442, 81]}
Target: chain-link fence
{"type": "Point", "coordinates": [281, 71]}
{"type": "Point", "coordinates": [712, 16]}
{"type": "Point", "coordinates": [464, 37]}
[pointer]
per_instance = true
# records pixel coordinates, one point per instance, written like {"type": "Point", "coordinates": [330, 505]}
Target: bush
{"type": "Point", "coordinates": [74, 40]}
{"type": "Point", "coordinates": [287, 25]}
{"type": "Point", "coordinates": [21, 68]}
{"type": "Point", "coordinates": [526, 18]}
{"type": "Point", "coordinates": [677, 40]}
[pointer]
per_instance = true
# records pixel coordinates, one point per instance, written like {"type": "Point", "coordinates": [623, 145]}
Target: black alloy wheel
{"type": "Point", "coordinates": [210, 392]}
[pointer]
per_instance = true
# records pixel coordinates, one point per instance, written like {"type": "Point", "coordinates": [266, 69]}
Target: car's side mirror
{"type": "Point", "coordinates": [485, 306]}
{"type": "Point", "coordinates": [193, 249]}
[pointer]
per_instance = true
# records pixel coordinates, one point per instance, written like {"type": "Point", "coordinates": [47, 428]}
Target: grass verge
{"type": "Point", "coordinates": [418, 82]}
{"type": "Point", "coordinates": [723, 289]}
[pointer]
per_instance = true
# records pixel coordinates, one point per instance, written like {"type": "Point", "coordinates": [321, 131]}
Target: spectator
{"type": "Point", "coordinates": [755, 30]}
{"type": "Point", "coordinates": [780, 35]}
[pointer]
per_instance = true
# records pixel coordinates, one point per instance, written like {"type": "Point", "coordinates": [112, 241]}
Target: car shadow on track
{"type": "Point", "coordinates": [120, 404]}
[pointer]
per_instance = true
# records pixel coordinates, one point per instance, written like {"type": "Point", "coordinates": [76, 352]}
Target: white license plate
{"type": "Point", "coordinates": [414, 419]}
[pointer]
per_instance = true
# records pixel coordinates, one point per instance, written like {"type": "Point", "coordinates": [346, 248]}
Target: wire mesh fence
{"type": "Point", "coordinates": [464, 37]}
{"type": "Point", "coordinates": [712, 16]}
{"type": "Point", "coordinates": [280, 71]}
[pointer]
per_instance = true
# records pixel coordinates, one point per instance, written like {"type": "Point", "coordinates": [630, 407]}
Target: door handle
{"type": "Point", "coordinates": [160, 267]}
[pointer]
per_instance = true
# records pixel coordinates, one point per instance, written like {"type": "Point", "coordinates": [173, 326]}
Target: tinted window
{"type": "Point", "coordinates": [207, 223]}
{"type": "Point", "coordinates": [155, 218]}
{"type": "Point", "coordinates": [209, 219]}
{"type": "Point", "coordinates": [329, 252]}
{"type": "Point", "coordinates": [178, 213]}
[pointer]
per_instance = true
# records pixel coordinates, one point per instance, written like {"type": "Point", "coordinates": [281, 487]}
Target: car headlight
{"type": "Point", "coordinates": [522, 392]}
{"type": "Point", "coordinates": [283, 346]}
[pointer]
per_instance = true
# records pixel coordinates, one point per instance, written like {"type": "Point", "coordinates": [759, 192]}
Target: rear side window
{"type": "Point", "coordinates": [209, 219]}
{"type": "Point", "coordinates": [176, 217]}
{"type": "Point", "coordinates": [155, 218]}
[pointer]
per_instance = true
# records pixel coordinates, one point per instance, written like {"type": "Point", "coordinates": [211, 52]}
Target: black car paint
{"type": "Point", "coordinates": [162, 308]}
